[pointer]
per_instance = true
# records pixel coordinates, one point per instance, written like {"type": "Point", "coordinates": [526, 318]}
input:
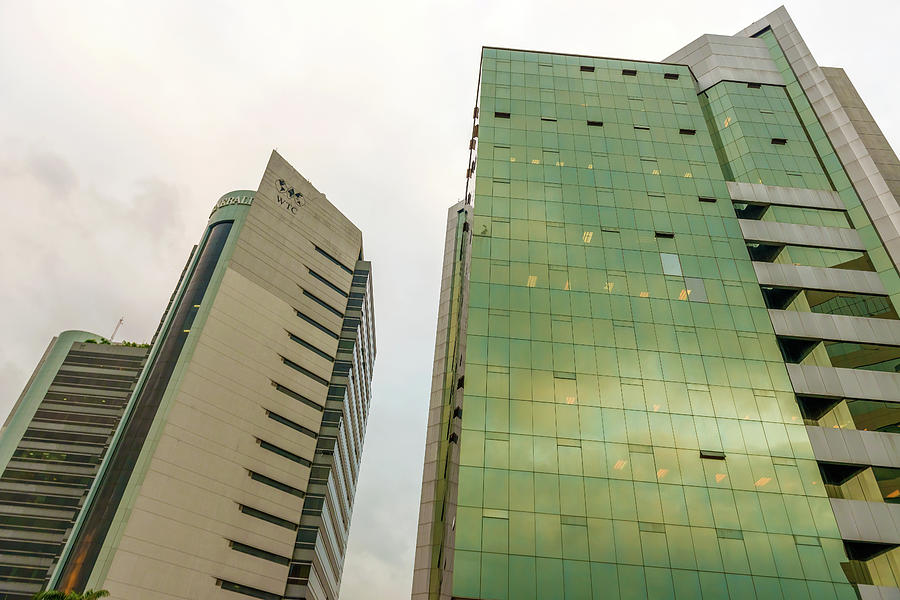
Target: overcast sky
{"type": "Point", "coordinates": [122, 123]}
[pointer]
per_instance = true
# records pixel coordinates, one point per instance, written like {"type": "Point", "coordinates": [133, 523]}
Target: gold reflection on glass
{"type": "Point", "coordinates": [893, 494]}
{"type": "Point", "coordinates": [532, 280]}
{"type": "Point", "coordinates": [567, 285]}
{"type": "Point", "coordinates": [655, 172]}
{"type": "Point", "coordinates": [656, 408]}
{"type": "Point", "coordinates": [591, 166]}
{"type": "Point", "coordinates": [688, 174]}
{"type": "Point", "coordinates": [684, 294]}
{"type": "Point", "coordinates": [570, 399]}
{"type": "Point", "coordinates": [620, 464]}
{"type": "Point", "coordinates": [644, 294]}
{"type": "Point", "coordinates": [727, 121]}
{"type": "Point", "coordinates": [560, 164]}
{"type": "Point", "coordinates": [609, 286]}
{"type": "Point", "coordinates": [535, 161]}
{"type": "Point", "coordinates": [661, 473]}
{"type": "Point", "coordinates": [512, 159]}
{"type": "Point", "coordinates": [587, 236]}
{"type": "Point", "coordinates": [720, 477]}
{"type": "Point", "coordinates": [762, 481]}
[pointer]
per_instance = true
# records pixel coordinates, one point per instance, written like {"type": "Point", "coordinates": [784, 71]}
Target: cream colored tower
{"type": "Point", "coordinates": [235, 470]}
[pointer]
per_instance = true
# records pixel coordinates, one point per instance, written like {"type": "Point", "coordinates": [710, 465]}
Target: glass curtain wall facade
{"type": "Point", "coordinates": [655, 275]}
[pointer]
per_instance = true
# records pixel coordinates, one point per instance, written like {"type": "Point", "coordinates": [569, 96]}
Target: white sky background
{"type": "Point", "coordinates": [121, 125]}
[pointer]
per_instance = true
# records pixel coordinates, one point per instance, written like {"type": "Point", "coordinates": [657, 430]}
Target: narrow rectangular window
{"type": "Point", "coordinates": [295, 426]}
{"type": "Point", "coordinates": [595, 123]}
{"type": "Point", "coordinates": [629, 72]}
{"type": "Point", "coordinates": [587, 69]}
{"type": "Point", "coordinates": [687, 131]}
{"type": "Point", "coordinates": [298, 397]}
{"type": "Point", "coordinates": [322, 303]}
{"type": "Point", "coordinates": [328, 283]}
{"type": "Point", "coordinates": [334, 260]}
{"type": "Point", "coordinates": [269, 556]}
{"type": "Point", "coordinates": [779, 141]}
{"type": "Point", "coordinates": [246, 590]}
{"type": "Point", "coordinates": [641, 128]}
{"type": "Point", "coordinates": [303, 370]}
{"type": "Point", "coordinates": [706, 199]}
{"type": "Point", "coordinates": [264, 516]}
{"type": "Point", "coordinates": [501, 115]}
{"type": "Point", "coordinates": [274, 483]}
{"type": "Point", "coordinates": [665, 234]}
{"type": "Point", "coordinates": [285, 453]}
{"type": "Point", "coordinates": [670, 76]}
{"type": "Point", "coordinates": [754, 86]}
{"type": "Point", "coordinates": [316, 324]}
{"type": "Point", "coordinates": [309, 346]}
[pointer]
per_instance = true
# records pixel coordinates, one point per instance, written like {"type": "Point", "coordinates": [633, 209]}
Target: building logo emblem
{"type": "Point", "coordinates": [287, 197]}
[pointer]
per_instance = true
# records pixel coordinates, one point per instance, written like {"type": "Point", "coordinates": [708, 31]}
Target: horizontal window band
{"type": "Point", "coordinates": [587, 69]}
{"type": "Point", "coordinates": [274, 483]}
{"type": "Point", "coordinates": [323, 304]}
{"type": "Point", "coordinates": [282, 452]}
{"type": "Point", "coordinates": [630, 72]}
{"type": "Point", "coordinates": [305, 371]}
{"type": "Point", "coordinates": [326, 282]}
{"type": "Point", "coordinates": [298, 397]}
{"type": "Point", "coordinates": [334, 260]}
{"type": "Point", "coordinates": [269, 556]}
{"type": "Point", "coordinates": [316, 324]}
{"type": "Point", "coordinates": [246, 590]}
{"type": "Point", "coordinates": [309, 346]}
{"type": "Point", "coordinates": [295, 426]}
{"type": "Point", "coordinates": [501, 115]}
{"type": "Point", "coordinates": [264, 516]}
{"type": "Point", "coordinates": [670, 76]}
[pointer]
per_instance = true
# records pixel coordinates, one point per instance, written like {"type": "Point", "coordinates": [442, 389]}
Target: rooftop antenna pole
{"type": "Point", "coordinates": [116, 330]}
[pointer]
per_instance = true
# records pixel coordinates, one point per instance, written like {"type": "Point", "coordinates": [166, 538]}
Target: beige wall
{"type": "Point", "coordinates": [174, 544]}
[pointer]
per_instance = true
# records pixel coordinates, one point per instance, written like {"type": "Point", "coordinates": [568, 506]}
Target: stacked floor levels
{"type": "Point", "coordinates": [668, 338]}
{"type": "Point", "coordinates": [51, 447]}
{"type": "Point", "coordinates": [234, 469]}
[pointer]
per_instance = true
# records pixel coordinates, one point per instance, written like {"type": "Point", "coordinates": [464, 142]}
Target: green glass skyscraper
{"type": "Point", "coordinates": [668, 343]}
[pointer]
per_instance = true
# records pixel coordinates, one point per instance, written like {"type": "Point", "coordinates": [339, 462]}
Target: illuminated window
{"type": "Point", "coordinates": [532, 280]}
